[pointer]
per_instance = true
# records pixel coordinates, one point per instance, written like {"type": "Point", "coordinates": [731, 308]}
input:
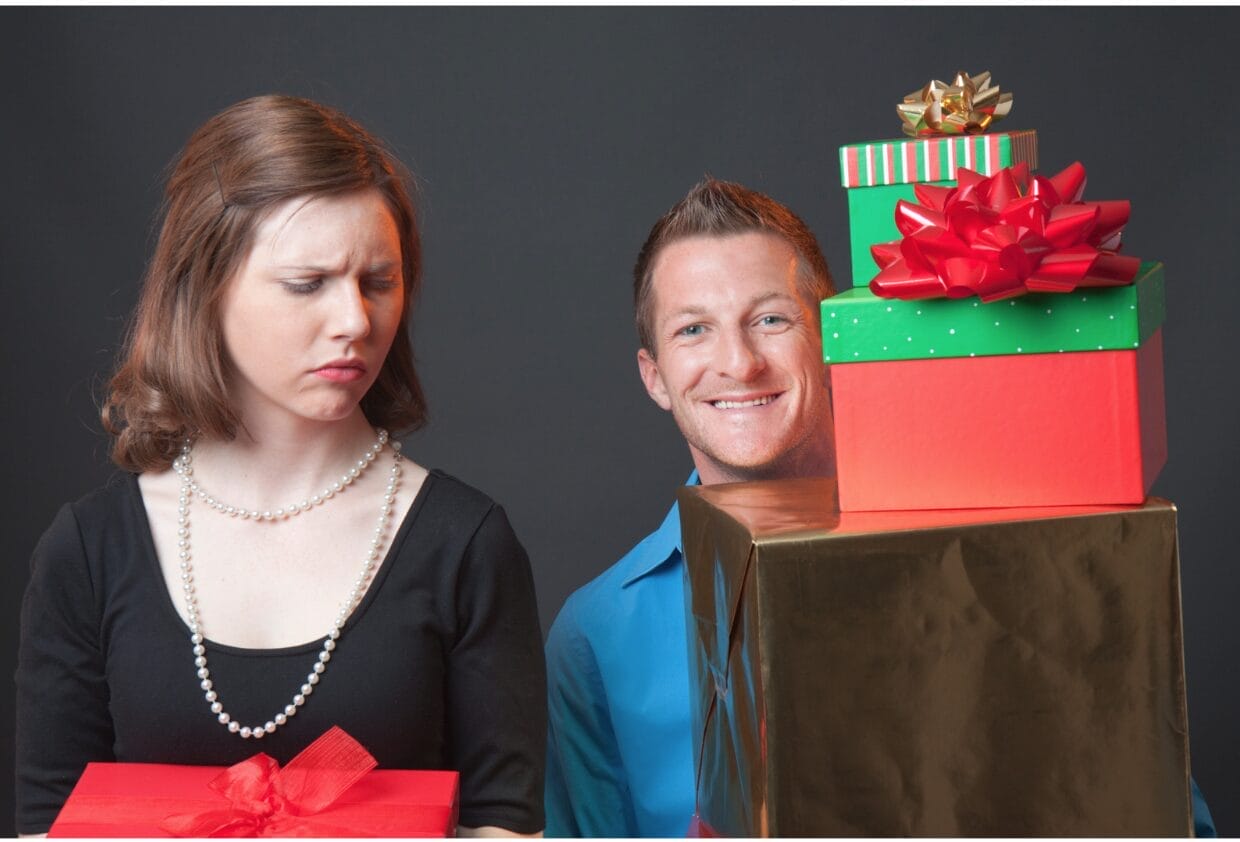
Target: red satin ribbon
{"type": "Point", "coordinates": [1002, 236]}
{"type": "Point", "coordinates": [266, 800]}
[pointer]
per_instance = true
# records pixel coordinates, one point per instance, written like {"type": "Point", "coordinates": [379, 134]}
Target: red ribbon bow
{"type": "Point", "coordinates": [1002, 236]}
{"type": "Point", "coordinates": [266, 800]}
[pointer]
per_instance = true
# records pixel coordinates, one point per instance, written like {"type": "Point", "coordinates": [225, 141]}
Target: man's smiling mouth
{"type": "Point", "coordinates": [725, 404]}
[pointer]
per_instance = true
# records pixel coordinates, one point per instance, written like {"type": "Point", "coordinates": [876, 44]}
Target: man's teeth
{"type": "Point", "coordinates": [763, 401]}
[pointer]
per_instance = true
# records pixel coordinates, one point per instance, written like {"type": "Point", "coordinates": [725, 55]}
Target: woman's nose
{"type": "Point", "coordinates": [350, 311]}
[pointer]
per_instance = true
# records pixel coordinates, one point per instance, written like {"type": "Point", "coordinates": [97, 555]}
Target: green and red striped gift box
{"type": "Point", "coordinates": [912, 160]}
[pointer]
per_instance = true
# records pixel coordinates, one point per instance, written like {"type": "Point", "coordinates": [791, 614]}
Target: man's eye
{"type": "Point", "coordinates": [772, 320]}
{"type": "Point", "coordinates": [302, 288]}
{"type": "Point", "coordinates": [691, 330]}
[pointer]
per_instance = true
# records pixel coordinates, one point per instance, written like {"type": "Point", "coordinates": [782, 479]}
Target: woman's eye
{"type": "Point", "coordinates": [382, 284]}
{"type": "Point", "coordinates": [772, 320]}
{"type": "Point", "coordinates": [302, 287]}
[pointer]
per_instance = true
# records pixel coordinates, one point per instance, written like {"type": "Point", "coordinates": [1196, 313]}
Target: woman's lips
{"type": "Point", "coordinates": [341, 372]}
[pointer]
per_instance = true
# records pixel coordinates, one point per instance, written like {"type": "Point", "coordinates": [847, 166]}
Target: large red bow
{"type": "Point", "coordinates": [266, 800]}
{"type": "Point", "coordinates": [1002, 236]}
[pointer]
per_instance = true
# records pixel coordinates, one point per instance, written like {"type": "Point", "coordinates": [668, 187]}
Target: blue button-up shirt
{"type": "Point", "coordinates": [619, 753]}
{"type": "Point", "coordinates": [619, 748]}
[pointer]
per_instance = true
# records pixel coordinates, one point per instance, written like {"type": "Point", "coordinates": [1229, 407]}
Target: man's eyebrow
{"type": "Point", "coordinates": [685, 311]}
{"type": "Point", "coordinates": [773, 294]}
{"type": "Point", "coordinates": [693, 310]}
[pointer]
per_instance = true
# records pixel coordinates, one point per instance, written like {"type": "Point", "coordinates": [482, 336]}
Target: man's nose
{"type": "Point", "coordinates": [739, 357]}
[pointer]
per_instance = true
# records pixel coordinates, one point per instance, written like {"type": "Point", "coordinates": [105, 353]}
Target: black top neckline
{"type": "Point", "coordinates": [169, 612]}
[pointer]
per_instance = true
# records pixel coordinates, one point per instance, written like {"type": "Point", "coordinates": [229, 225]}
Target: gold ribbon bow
{"type": "Point", "coordinates": [967, 106]}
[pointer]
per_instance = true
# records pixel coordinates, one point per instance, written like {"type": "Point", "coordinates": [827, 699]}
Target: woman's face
{"type": "Point", "coordinates": [309, 317]}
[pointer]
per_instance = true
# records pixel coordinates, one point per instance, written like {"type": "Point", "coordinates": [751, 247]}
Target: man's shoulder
{"type": "Point", "coordinates": [593, 609]}
{"type": "Point", "coordinates": [601, 592]}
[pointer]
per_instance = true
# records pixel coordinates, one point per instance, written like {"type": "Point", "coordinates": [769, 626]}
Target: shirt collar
{"type": "Point", "coordinates": [661, 547]}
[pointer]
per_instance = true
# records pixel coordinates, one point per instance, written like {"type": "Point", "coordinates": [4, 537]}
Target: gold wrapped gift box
{"type": "Point", "coordinates": [989, 672]}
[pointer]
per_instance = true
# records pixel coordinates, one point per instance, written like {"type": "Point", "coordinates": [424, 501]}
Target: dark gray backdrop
{"type": "Point", "coordinates": [547, 142]}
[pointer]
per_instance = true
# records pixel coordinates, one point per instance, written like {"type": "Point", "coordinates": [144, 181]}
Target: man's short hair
{"type": "Point", "coordinates": [716, 208]}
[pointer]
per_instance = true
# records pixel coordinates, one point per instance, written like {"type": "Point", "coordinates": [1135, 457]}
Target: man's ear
{"type": "Point", "coordinates": [651, 378]}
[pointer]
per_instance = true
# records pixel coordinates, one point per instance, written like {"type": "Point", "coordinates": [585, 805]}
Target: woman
{"type": "Point", "coordinates": [271, 565]}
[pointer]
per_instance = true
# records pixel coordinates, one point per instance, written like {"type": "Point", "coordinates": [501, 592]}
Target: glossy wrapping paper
{"type": "Point", "coordinates": [989, 672]}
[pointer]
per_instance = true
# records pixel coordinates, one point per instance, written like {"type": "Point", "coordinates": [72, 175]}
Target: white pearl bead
{"type": "Point", "coordinates": [307, 689]}
{"type": "Point", "coordinates": [205, 684]}
{"type": "Point", "coordinates": [313, 678]}
{"type": "Point", "coordinates": [224, 718]}
{"type": "Point", "coordinates": [211, 696]}
{"type": "Point", "coordinates": [330, 644]}
{"type": "Point", "coordinates": [202, 673]}
{"type": "Point", "coordinates": [299, 700]}
{"type": "Point", "coordinates": [324, 657]}
{"type": "Point", "coordinates": [290, 710]}
{"type": "Point", "coordinates": [245, 731]}
{"type": "Point", "coordinates": [318, 670]}
{"type": "Point", "coordinates": [281, 718]}
{"type": "Point", "coordinates": [199, 649]}
{"type": "Point", "coordinates": [270, 727]}
{"type": "Point", "coordinates": [234, 726]}
{"type": "Point", "coordinates": [200, 661]}
{"type": "Point", "coordinates": [216, 707]}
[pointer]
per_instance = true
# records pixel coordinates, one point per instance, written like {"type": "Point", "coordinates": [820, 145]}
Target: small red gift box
{"type": "Point", "coordinates": [979, 432]}
{"type": "Point", "coordinates": [330, 789]}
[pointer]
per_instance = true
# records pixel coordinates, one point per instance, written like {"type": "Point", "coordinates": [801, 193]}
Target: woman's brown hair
{"type": "Point", "coordinates": [171, 379]}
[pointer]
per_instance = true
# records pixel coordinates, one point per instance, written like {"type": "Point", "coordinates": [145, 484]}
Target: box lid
{"type": "Point", "coordinates": [910, 160]}
{"type": "Point", "coordinates": [858, 326]}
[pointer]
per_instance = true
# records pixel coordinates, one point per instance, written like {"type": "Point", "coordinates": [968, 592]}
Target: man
{"type": "Point", "coordinates": [726, 290]}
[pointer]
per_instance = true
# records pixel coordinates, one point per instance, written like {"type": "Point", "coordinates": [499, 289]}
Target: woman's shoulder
{"type": "Point", "coordinates": [85, 529]}
{"type": "Point", "coordinates": [111, 504]}
{"type": "Point", "coordinates": [455, 494]}
{"type": "Point", "coordinates": [460, 509]}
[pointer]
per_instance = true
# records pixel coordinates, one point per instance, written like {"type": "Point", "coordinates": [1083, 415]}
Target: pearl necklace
{"type": "Point", "coordinates": [184, 468]}
{"type": "Point", "coordinates": [326, 494]}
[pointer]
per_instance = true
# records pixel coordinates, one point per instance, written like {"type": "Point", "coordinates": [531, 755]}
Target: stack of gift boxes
{"type": "Point", "coordinates": [977, 631]}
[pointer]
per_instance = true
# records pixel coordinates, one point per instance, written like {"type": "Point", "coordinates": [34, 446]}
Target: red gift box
{"type": "Point", "coordinates": [978, 432]}
{"type": "Point", "coordinates": [314, 797]}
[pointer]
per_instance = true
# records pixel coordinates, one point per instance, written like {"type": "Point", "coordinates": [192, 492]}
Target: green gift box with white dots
{"type": "Point", "coordinates": [858, 326]}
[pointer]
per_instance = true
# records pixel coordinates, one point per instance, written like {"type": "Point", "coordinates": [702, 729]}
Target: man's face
{"type": "Point", "coordinates": [738, 358]}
